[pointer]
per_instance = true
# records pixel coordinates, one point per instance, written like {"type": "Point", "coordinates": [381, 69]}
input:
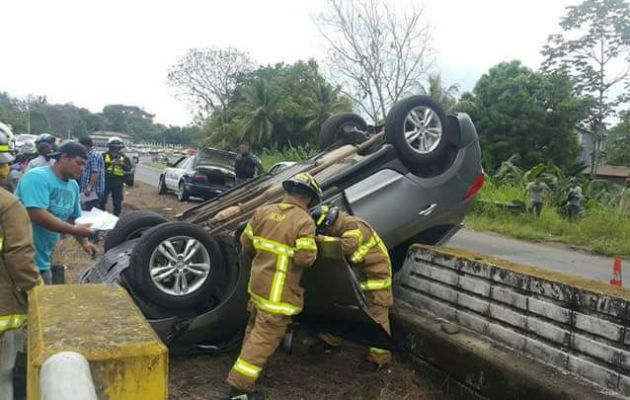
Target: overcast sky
{"type": "Point", "coordinates": [118, 51]}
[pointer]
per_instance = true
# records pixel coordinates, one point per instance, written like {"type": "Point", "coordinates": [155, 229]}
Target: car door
{"type": "Point", "coordinates": [173, 174]}
{"type": "Point", "coordinates": [334, 302]}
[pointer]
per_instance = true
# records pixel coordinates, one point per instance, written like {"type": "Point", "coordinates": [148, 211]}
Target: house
{"type": "Point", "coordinates": [100, 138]}
{"type": "Point", "coordinates": [612, 173]}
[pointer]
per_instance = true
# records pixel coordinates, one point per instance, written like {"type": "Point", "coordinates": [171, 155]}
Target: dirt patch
{"type": "Point", "coordinates": [297, 377]}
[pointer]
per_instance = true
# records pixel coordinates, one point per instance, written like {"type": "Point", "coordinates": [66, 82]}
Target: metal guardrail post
{"type": "Point", "coordinates": [66, 376]}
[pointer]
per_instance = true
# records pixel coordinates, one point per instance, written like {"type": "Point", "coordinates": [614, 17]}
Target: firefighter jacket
{"type": "Point", "coordinates": [282, 236]}
{"type": "Point", "coordinates": [368, 255]}
{"type": "Point", "coordinates": [17, 261]}
{"type": "Point", "coordinates": [116, 170]}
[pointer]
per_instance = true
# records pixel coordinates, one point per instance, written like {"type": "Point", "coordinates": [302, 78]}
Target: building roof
{"type": "Point", "coordinates": [616, 171]}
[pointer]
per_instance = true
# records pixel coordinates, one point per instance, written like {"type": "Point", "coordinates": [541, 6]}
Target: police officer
{"type": "Point", "coordinates": [246, 164]}
{"type": "Point", "coordinates": [17, 275]}
{"type": "Point", "coordinates": [116, 165]}
{"type": "Point", "coordinates": [282, 239]}
{"type": "Point", "coordinates": [370, 260]}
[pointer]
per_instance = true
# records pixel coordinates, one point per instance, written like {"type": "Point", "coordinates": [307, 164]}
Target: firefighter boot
{"type": "Point", "coordinates": [236, 394]}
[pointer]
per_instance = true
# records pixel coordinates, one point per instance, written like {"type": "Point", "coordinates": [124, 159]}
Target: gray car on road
{"type": "Point", "coordinates": [413, 180]}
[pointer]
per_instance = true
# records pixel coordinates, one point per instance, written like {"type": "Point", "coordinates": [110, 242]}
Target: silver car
{"type": "Point", "coordinates": [413, 182]}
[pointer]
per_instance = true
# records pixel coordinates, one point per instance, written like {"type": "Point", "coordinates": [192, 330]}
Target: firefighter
{"type": "Point", "coordinates": [282, 239]}
{"type": "Point", "coordinates": [116, 165]}
{"type": "Point", "coordinates": [17, 275]}
{"type": "Point", "coordinates": [370, 260]}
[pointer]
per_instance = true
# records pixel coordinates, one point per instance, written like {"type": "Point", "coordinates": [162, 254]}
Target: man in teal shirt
{"type": "Point", "coordinates": [51, 197]}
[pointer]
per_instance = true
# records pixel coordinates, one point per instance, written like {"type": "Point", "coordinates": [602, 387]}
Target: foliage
{"type": "Point", "coordinates": [207, 77]}
{"type": "Point", "coordinates": [601, 228]}
{"type": "Point", "coordinates": [35, 115]}
{"type": "Point", "coordinates": [269, 157]}
{"type": "Point", "coordinates": [519, 111]}
{"type": "Point", "coordinates": [276, 106]}
{"type": "Point", "coordinates": [617, 150]}
{"type": "Point", "coordinates": [445, 95]}
{"type": "Point", "coordinates": [377, 53]}
{"type": "Point", "coordinates": [595, 40]}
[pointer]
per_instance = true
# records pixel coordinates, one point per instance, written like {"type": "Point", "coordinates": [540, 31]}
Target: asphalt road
{"type": "Point", "coordinates": [553, 257]}
{"type": "Point", "coordinates": [147, 175]}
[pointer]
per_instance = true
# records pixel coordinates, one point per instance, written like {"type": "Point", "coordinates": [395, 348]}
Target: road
{"type": "Point", "coordinates": [553, 257]}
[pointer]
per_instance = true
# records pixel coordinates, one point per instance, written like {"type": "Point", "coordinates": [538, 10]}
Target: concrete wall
{"type": "Point", "coordinates": [570, 323]}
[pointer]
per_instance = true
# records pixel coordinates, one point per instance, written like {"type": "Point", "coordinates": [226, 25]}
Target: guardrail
{"type": "Point", "coordinates": [66, 376]}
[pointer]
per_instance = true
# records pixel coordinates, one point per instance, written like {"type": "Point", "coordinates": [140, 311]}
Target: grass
{"type": "Point", "coordinates": [269, 157]}
{"type": "Point", "coordinates": [601, 229]}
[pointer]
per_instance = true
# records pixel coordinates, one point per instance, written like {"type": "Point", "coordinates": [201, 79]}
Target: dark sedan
{"type": "Point", "coordinates": [206, 175]}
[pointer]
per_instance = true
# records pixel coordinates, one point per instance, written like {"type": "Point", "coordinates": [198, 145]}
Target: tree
{"type": "Point", "coordinates": [446, 96]}
{"type": "Point", "coordinates": [129, 119]}
{"type": "Point", "coordinates": [596, 38]}
{"type": "Point", "coordinates": [618, 143]}
{"type": "Point", "coordinates": [519, 111]}
{"type": "Point", "coordinates": [260, 109]}
{"type": "Point", "coordinates": [207, 77]}
{"type": "Point", "coordinates": [376, 53]}
{"type": "Point", "coordinates": [322, 103]}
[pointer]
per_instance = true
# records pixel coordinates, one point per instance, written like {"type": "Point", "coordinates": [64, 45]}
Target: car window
{"type": "Point", "coordinates": [179, 163]}
{"type": "Point", "coordinates": [187, 164]}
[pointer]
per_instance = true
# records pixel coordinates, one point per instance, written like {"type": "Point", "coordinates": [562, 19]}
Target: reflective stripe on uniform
{"type": "Point", "coordinates": [111, 169]}
{"type": "Point", "coordinates": [305, 243]}
{"type": "Point", "coordinates": [359, 256]}
{"type": "Point", "coordinates": [1, 244]}
{"type": "Point", "coordinates": [244, 368]}
{"type": "Point", "coordinates": [4, 148]}
{"type": "Point", "coordinates": [274, 308]}
{"type": "Point", "coordinates": [378, 352]}
{"type": "Point", "coordinates": [355, 233]}
{"type": "Point", "coordinates": [330, 239]}
{"type": "Point", "coordinates": [9, 322]}
{"type": "Point", "coordinates": [283, 253]}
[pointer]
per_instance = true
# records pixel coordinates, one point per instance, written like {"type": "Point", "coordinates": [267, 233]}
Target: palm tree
{"type": "Point", "coordinates": [446, 96]}
{"type": "Point", "coordinates": [324, 102]}
{"type": "Point", "coordinates": [259, 110]}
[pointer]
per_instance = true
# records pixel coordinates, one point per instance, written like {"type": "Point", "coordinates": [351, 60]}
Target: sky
{"type": "Point", "coordinates": [119, 51]}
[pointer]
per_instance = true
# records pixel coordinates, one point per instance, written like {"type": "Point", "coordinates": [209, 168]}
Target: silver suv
{"type": "Point", "coordinates": [413, 181]}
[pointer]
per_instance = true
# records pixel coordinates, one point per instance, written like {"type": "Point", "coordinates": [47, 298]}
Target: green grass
{"type": "Point", "coordinates": [601, 230]}
{"type": "Point", "coordinates": [269, 157]}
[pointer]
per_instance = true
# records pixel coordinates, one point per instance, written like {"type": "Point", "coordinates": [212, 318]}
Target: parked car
{"type": "Point", "coordinates": [277, 167]}
{"type": "Point", "coordinates": [25, 143]}
{"type": "Point", "coordinates": [206, 175]}
{"type": "Point", "coordinates": [414, 182]}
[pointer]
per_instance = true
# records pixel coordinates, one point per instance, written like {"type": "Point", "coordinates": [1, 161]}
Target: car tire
{"type": "Point", "coordinates": [162, 186]}
{"type": "Point", "coordinates": [182, 194]}
{"type": "Point", "coordinates": [132, 226]}
{"type": "Point", "coordinates": [333, 130]}
{"type": "Point", "coordinates": [163, 250]}
{"type": "Point", "coordinates": [418, 129]}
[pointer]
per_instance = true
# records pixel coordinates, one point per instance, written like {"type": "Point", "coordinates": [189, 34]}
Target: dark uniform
{"type": "Point", "coordinates": [115, 179]}
{"type": "Point", "coordinates": [245, 167]}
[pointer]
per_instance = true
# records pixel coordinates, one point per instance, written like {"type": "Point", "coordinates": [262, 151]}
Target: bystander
{"type": "Point", "coordinates": [537, 191]}
{"type": "Point", "coordinates": [574, 198]}
{"type": "Point", "coordinates": [43, 159]}
{"type": "Point", "coordinates": [51, 196]}
{"type": "Point", "coordinates": [92, 184]}
{"type": "Point", "coordinates": [246, 164]}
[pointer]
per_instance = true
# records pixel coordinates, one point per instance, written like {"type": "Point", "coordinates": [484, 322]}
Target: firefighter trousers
{"type": "Point", "coordinates": [375, 355]}
{"type": "Point", "coordinates": [263, 334]}
{"type": "Point", "coordinates": [115, 186]}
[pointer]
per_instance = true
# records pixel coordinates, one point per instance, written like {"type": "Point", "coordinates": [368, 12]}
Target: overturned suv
{"type": "Point", "coordinates": [413, 182]}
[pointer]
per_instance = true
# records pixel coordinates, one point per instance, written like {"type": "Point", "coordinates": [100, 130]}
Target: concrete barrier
{"type": "Point", "coordinates": [101, 322]}
{"type": "Point", "coordinates": [573, 324]}
{"type": "Point", "coordinates": [66, 376]}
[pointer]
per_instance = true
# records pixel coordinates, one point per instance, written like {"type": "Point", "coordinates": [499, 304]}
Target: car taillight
{"type": "Point", "coordinates": [476, 187]}
{"type": "Point", "coordinates": [198, 178]}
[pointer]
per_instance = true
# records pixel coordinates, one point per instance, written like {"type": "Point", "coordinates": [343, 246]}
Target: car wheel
{"type": "Point", "coordinates": [132, 226]}
{"type": "Point", "coordinates": [417, 128]}
{"type": "Point", "coordinates": [174, 265]}
{"type": "Point", "coordinates": [162, 186]}
{"type": "Point", "coordinates": [182, 194]}
{"type": "Point", "coordinates": [344, 128]}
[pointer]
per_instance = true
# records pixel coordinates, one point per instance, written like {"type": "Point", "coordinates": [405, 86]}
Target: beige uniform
{"type": "Point", "coordinates": [370, 259]}
{"type": "Point", "coordinates": [282, 238]}
{"type": "Point", "coordinates": [17, 275]}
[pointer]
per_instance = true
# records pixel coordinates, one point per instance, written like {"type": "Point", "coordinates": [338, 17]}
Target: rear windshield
{"type": "Point", "coordinates": [216, 157]}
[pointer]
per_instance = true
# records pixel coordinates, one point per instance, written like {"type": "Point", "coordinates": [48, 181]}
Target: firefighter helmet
{"type": "Point", "coordinates": [303, 183]}
{"type": "Point", "coordinates": [324, 216]}
{"type": "Point", "coordinates": [5, 150]}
